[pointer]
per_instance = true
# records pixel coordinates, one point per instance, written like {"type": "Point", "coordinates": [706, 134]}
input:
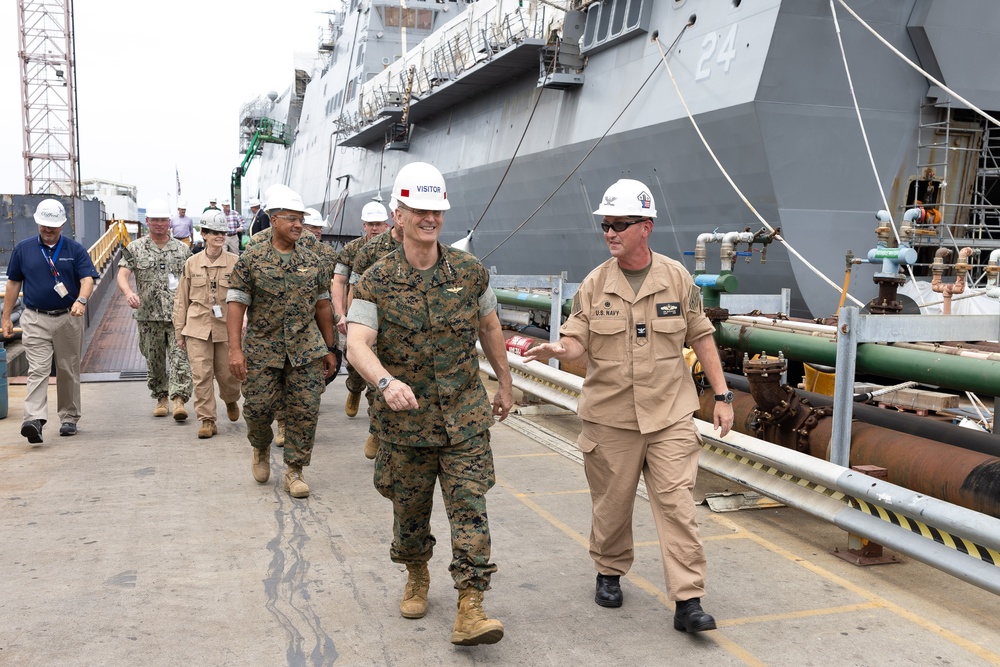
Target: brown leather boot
{"type": "Point", "coordinates": [414, 604]}
{"type": "Point", "coordinates": [180, 412]}
{"type": "Point", "coordinates": [472, 625]}
{"type": "Point", "coordinates": [371, 446]}
{"type": "Point", "coordinates": [207, 429]}
{"type": "Point", "coordinates": [353, 403]}
{"type": "Point", "coordinates": [161, 408]}
{"type": "Point", "coordinates": [294, 484]}
{"type": "Point", "coordinates": [261, 466]}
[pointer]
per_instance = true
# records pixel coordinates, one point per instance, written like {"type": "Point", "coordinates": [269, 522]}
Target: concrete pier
{"type": "Point", "coordinates": [136, 543]}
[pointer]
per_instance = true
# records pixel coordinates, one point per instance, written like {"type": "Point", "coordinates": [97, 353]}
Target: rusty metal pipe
{"type": "Point", "coordinates": [959, 476]}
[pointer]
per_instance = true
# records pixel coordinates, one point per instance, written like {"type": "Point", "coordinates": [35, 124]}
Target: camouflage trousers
{"type": "Point", "coordinates": [406, 476]}
{"type": "Point", "coordinates": [158, 344]}
{"type": "Point", "coordinates": [355, 383]}
{"type": "Point", "coordinates": [292, 393]}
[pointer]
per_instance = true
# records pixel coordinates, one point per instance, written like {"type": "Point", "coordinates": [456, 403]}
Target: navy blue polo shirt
{"type": "Point", "coordinates": [29, 266]}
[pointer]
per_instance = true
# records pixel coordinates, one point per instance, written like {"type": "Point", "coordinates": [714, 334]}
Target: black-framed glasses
{"type": "Point", "coordinates": [620, 225]}
{"type": "Point", "coordinates": [419, 212]}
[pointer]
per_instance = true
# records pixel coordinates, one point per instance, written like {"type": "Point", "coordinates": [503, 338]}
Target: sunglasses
{"type": "Point", "coordinates": [620, 225]}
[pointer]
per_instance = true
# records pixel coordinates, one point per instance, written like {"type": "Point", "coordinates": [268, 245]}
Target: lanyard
{"type": "Point", "coordinates": [51, 259]}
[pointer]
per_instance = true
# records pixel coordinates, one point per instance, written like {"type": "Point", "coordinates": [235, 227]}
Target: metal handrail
{"type": "Point", "coordinates": [953, 539]}
{"type": "Point", "coordinates": [116, 235]}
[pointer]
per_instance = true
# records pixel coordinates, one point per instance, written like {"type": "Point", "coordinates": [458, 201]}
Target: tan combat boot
{"type": "Point", "coordinates": [294, 484]}
{"type": "Point", "coordinates": [472, 625]}
{"type": "Point", "coordinates": [414, 604]}
{"type": "Point", "coordinates": [353, 403]}
{"type": "Point", "coordinates": [180, 412]}
{"type": "Point", "coordinates": [161, 407]}
{"type": "Point", "coordinates": [233, 411]}
{"type": "Point", "coordinates": [207, 429]}
{"type": "Point", "coordinates": [371, 446]}
{"type": "Point", "coordinates": [279, 438]}
{"type": "Point", "coordinates": [261, 466]}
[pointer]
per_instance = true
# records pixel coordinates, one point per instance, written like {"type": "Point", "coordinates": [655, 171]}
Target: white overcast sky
{"type": "Point", "coordinates": [160, 84]}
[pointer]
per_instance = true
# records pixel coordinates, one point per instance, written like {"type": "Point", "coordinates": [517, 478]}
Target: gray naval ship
{"type": "Point", "coordinates": [814, 116]}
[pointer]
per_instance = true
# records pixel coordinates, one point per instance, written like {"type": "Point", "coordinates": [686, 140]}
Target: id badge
{"type": "Point", "coordinates": [217, 311]}
{"type": "Point", "coordinates": [172, 282]}
{"type": "Point", "coordinates": [61, 290]}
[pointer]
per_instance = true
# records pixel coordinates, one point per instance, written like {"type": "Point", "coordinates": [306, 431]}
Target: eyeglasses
{"type": "Point", "coordinates": [289, 218]}
{"type": "Point", "coordinates": [620, 225]}
{"type": "Point", "coordinates": [374, 223]}
{"type": "Point", "coordinates": [420, 212]}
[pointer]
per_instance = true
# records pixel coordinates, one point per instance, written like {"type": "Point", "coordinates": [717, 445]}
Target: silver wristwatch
{"type": "Point", "coordinates": [384, 382]}
{"type": "Point", "coordinates": [82, 299]}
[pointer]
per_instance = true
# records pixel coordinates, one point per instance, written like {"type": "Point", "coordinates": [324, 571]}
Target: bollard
{"type": "Point", "coordinates": [3, 382]}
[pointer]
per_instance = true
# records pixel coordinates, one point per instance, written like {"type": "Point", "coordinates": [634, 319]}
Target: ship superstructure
{"type": "Point", "coordinates": [532, 108]}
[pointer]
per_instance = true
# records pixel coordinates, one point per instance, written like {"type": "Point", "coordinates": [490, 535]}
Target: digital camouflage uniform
{"type": "Point", "coordinates": [427, 333]}
{"type": "Point", "coordinates": [155, 269]}
{"type": "Point", "coordinates": [283, 345]}
{"type": "Point", "coordinates": [345, 261]}
{"type": "Point", "coordinates": [367, 255]}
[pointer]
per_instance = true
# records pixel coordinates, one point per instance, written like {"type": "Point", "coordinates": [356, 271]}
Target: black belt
{"type": "Point", "coordinates": [52, 313]}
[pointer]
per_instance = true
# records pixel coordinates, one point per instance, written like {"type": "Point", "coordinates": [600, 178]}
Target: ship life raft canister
{"type": "Point", "coordinates": [3, 382]}
{"type": "Point", "coordinates": [519, 345]}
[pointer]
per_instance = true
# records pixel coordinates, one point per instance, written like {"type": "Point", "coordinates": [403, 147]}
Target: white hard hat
{"type": "Point", "coordinates": [253, 202]}
{"type": "Point", "coordinates": [420, 185]}
{"type": "Point", "coordinates": [214, 221]}
{"type": "Point", "coordinates": [50, 213]}
{"type": "Point", "coordinates": [374, 212]}
{"type": "Point", "coordinates": [225, 202]}
{"type": "Point", "coordinates": [627, 197]}
{"type": "Point", "coordinates": [182, 203]}
{"type": "Point", "coordinates": [213, 200]}
{"type": "Point", "coordinates": [314, 218]}
{"type": "Point", "coordinates": [282, 197]}
{"type": "Point", "coordinates": [157, 209]}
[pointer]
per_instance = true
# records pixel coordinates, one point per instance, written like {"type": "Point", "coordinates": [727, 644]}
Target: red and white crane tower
{"type": "Point", "coordinates": [48, 97]}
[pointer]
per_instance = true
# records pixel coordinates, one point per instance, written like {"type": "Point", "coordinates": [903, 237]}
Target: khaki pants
{"type": "Point", "coordinates": [233, 244]}
{"type": "Point", "coordinates": [668, 461]}
{"type": "Point", "coordinates": [42, 336]}
{"type": "Point", "coordinates": [210, 361]}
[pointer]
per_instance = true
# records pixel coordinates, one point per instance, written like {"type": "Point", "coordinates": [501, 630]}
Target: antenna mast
{"type": "Point", "coordinates": [46, 49]}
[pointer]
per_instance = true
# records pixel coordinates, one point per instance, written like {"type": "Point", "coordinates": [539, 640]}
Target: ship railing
{"type": "Point", "coordinates": [956, 540]}
{"type": "Point", "coordinates": [454, 51]}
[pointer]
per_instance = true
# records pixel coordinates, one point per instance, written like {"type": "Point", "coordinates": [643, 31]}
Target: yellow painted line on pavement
{"type": "Point", "coordinates": [536, 494]}
{"type": "Point", "coordinates": [716, 636]}
{"type": "Point", "coordinates": [876, 600]}
{"type": "Point", "coordinates": [802, 613]}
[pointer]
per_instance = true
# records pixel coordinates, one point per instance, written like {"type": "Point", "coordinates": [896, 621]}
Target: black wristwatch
{"type": "Point", "coordinates": [331, 348]}
{"type": "Point", "coordinates": [384, 382]}
{"type": "Point", "coordinates": [725, 398]}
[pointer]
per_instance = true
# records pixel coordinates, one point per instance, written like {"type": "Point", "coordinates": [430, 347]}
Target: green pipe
{"type": "Point", "coordinates": [943, 370]}
{"type": "Point", "coordinates": [508, 297]}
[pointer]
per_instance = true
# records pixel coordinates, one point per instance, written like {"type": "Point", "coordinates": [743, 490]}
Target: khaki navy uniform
{"type": "Point", "coordinates": [202, 290]}
{"type": "Point", "coordinates": [157, 273]}
{"type": "Point", "coordinates": [636, 405]}
{"type": "Point", "coordinates": [283, 345]}
{"type": "Point", "coordinates": [428, 323]}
